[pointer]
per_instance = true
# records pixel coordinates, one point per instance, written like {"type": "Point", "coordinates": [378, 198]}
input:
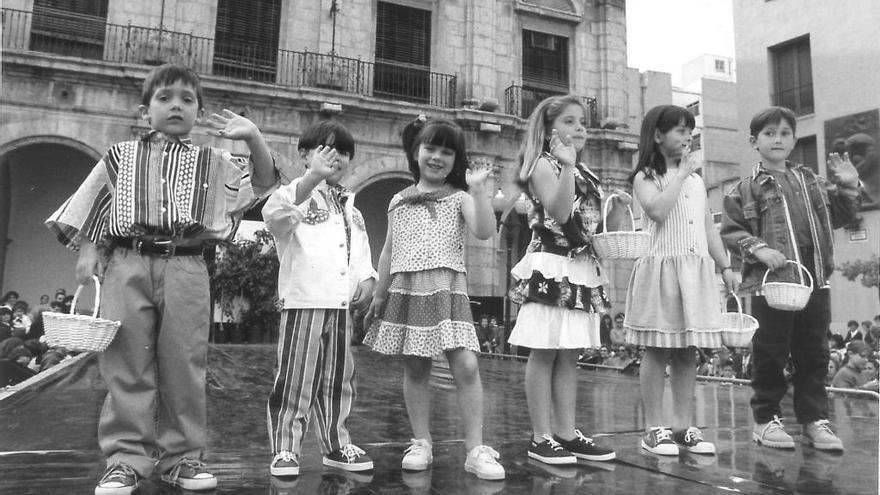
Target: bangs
{"type": "Point", "coordinates": [443, 135]}
{"type": "Point", "coordinates": [341, 140]}
{"type": "Point", "coordinates": [673, 116]}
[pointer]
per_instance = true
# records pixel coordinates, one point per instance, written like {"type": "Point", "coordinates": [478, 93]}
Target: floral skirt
{"type": "Point", "coordinates": [426, 314]}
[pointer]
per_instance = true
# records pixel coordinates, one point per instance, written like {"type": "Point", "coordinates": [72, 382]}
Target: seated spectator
{"type": "Point", "coordinates": [60, 295]}
{"type": "Point", "coordinates": [742, 363]}
{"type": "Point", "coordinates": [835, 346]}
{"type": "Point", "coordinates": [5, 323]}
{"type": "Point", "coordinates": [618, 333]}
{"type": "Point", "coordinates": [498, 332]}
{"type": "Point", "coordinates": [832, 372]}
{"type": "Point", "coordinates": [852, 332]}
{"type": "Point", "coordinates": [14, 365]}
{"type": "Point", "coordinates": [9, 299]}
{"type": "Point", "coordinates": [52, 357]}
{"type": "Point", "coordinates": [485, 335]}
{"type": "Point", "coordinates": [850, 375]}
{"type": "Point", "coordinates": [726, 370]}
{"type": "Point", "coordinates": [605, 326]}
{"type": "Point", "coordinates": [593, 356]}
{"type": "Point", "coordinates": [871, 370]}
{"type": "Point", "coordinates": [21, 322]}
{"type": "Point", "coordinates": [39, 308]}
{"type": "Point", "coordinates": [704, 365]}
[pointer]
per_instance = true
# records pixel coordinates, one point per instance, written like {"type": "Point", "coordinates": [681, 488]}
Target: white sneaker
{"type": "Point", "coordinates": [418, 455]}
{"type": "Point", "coordinates": [482, 460]}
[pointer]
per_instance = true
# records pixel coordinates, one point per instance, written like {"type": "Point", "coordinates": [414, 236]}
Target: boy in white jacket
{"type": "Point", "coordinates": [325, 272]}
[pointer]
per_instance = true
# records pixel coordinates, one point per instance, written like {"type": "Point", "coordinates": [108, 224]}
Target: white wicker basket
{"type": "Point", "coordinates": [81, 333]}
{"type": "Point", "coordinates": [737, 328]}
{"type": "Point", "coordinates": [786, 295]}
{"type": "Point", "coordinates": [620, 244]}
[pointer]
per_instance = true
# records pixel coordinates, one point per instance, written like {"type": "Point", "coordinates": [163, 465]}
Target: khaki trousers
{"type": "Point", "coordinates": [154, 413]}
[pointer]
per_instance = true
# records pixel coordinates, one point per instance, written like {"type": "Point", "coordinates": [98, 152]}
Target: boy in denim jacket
{"type": "Point", "coordinates": [780, 202]}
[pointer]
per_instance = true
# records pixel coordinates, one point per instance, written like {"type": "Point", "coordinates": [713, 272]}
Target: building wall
{"type": "Point", "coordinates": [87, 105]}
{"type": "Point", "coordinates": [844, 56]}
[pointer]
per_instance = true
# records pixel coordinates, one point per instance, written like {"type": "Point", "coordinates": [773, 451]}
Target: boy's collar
{"type": "Point", "coordinates": [761, 174]}
{"type": "Point", "coordinates": [155, 136]}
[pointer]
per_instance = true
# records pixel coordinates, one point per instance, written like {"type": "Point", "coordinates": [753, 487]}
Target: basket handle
{"type": "Point", "coordinates": [800, 267]}
{"type": "Point", "coordinates": [97, 297]}
{"type": "Point", "coordinates": [739, 305]}
{"type": "Point", "coordinates": [632, 220]}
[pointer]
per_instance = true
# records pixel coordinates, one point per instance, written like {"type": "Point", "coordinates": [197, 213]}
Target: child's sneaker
{"type": "Point", "coordinates": [284, 464]}
{"type": "Point", "coordinates": [772, 434]}
{"type": "Point", "coordinates": [583, 447]}
{"type": "Point", "coordinates": [349, 458]}
{"type": "Point", "coordinates": [418, 455]}
{"type": "Point", "coordinates": [821, 437]}
{"type": "Point", "coordinates": [482, 460]}
{"type": "Point", "coordinates": [658, 440]}
{"type": "Point", "coordinates": [692, 440]}
{"type": "Point", "coordinates": [190, 474]}
{"type": "Point", "coordinates": [118, 479]}
{"type": "Point", "coordinates": [550, 452]}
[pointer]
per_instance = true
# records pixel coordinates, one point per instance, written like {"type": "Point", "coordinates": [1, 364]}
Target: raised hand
{"type": "Point", "coordinates": [562, 149]}
{"type": "Point", "coordinates": [230, 125]}
{"type": "Point", "coordinates": [476, 179]}
{"type": "Point", "coordinates": [689, 164]}
{"type": "Point", "coordinates": [843, 169]}
{"type": "Point", "coordinates": [322, 162]}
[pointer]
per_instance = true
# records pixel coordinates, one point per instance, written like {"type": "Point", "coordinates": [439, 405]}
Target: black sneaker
{"type": "Point", "coordinates": [118, 479]}
{"type": "Point", "coordinates": [692, 441]}
{"type": "Point", "coordinates": [583, 447]}
{"type": "Point", "coordinates": [349, 458]}
{"type": "Point", "coordinates": [190, 474]}
{"type": "Point", "coordinates": [550, 452]}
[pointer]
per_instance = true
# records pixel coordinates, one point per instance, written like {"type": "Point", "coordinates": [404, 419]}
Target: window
{"type": "Point", "coordinates": [69, 27]}
{"type": "Point", "coordinates": [793, 76]}
{"type": "Point", "coordinates": [403, 53]}
{"type": "Point", "coordinates": [246, 39]}
{"type": "Point", "coordinates": [696, 142]}
{"type": "Point", "coordinates": [805, 152]}
{"type": "Point", "coordinates": [694, 108]}
{"type": "Point", "coordinates": [544, 68]}
{"type": "Point", "coordinates": [720, 66]}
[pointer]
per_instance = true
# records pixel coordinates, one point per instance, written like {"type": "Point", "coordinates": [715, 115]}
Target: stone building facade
{"type": "Point", "coordinates": [71, 87]}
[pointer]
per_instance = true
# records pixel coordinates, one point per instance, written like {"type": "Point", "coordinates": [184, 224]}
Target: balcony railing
{"type": "Point", "coordinates": [521, 101]}
{"type": "Point", "coordinates": [64, 33]}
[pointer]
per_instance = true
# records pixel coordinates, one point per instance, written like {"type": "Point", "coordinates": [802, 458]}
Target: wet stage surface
{"type": "Point", "coordinates": [48, 441]}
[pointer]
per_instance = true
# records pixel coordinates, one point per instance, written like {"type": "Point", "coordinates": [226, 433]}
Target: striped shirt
{"type": "Point", "coordinates": [683, 232]}
{"type": "Point", "coordinates": [155, 187]}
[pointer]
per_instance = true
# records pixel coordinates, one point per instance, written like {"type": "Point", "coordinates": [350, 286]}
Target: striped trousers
{"type": "Point", "coordinates": [315, 377]}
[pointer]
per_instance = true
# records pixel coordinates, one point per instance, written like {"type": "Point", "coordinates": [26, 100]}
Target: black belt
{"type": "Point", "coordinates": [158, 248]}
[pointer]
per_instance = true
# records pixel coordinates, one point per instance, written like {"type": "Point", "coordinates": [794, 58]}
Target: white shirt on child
{"type": "Point", "coordinates": [315, 268]}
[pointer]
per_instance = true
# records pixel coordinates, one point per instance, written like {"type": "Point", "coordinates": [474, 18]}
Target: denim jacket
{"type": "Point", "coordinates": [755, 217]}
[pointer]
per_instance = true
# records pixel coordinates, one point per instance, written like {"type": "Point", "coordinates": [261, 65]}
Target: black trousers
{"type": "Point", "coordinates": [802, 335]}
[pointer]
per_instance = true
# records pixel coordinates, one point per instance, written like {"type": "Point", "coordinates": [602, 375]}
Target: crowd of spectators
{"type": "Point", "coordinates": [23, 348]}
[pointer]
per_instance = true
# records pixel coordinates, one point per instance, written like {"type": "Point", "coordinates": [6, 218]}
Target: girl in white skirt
{"type": "Point", "coordinates": [420, 304]}
{"type": "Point", "coordinates": [672, 303]}
{"type": "Point", "coordinates": [559, 280]}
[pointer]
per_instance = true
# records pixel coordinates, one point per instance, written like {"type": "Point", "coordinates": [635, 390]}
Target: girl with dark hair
{"type": "Point", "coordinates": [672, 304]}
{"type": "Point", "coordinates": [420, 305]}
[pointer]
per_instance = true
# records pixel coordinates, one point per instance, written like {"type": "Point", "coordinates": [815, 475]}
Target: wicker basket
{"type": "Point", "coordinates": [620, 245]}
{"type": "Point", "coordinates": [81, 333]}
{"type": "Point", "coordinates": [786, 295]}
{"type": "Point", "coordinates": [737, 328]}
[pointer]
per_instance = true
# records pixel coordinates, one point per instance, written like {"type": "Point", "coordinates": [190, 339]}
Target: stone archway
{"type": "Point", "coordinates": [36, 175]}
{"type": "Point", "coordinates": [372, 201]}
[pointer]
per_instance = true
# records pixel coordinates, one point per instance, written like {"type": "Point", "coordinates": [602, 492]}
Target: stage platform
{"type": "Point", "coordinates": [48, 439]}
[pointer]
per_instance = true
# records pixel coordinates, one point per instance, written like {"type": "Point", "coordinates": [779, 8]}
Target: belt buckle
{"type": "Point", "coordinates": [169, 247]}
